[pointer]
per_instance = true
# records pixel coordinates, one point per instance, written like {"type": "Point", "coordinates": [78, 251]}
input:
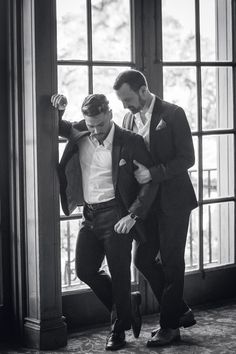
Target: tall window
{"type": "Point", "coordinates": [94, 45]}
{"type": "Point", "coordinates": [197, 74]}
{"type": "Point", "coordinates": [96, 41]}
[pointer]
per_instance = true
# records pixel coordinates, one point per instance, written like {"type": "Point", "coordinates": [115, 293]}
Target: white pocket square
{"type": "Point", "coordinates": [122, 162]}
{"type": "Point", "coordinates": [161, 125]}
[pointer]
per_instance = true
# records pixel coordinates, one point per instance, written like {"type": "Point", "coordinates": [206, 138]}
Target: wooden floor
{"type": "Point", "coordinates": [215, 332]}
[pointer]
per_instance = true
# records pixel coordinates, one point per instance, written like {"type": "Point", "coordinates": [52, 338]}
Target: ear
{"type": "Point", "coordinates": [143, 91]}
{"type": "Point", "coordinates": [110, 114]}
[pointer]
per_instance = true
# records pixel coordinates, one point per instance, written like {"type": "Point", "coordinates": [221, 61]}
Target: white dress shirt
{"type": "Point", "coordinates": [144, 128]}
{"type": "Point", "coordinates": [96, 167]}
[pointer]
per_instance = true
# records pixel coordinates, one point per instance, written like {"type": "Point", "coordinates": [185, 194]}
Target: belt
{"type": "Point", "coordinates": [102, 205]}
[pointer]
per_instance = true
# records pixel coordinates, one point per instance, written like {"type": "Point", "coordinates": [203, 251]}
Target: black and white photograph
{"type": "Point", "coordinates": [117, 176]}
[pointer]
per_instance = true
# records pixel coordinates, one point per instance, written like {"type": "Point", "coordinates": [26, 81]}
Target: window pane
{"type": "Point", "coordinates": [104, 78]}
{"type": "Point", "coordinates": [69, 232]}
{"type": "Point", "coordinates": [218, 229]}
{"type": "Point", "coordinates": [192, 244]}
{"type": "Point", "coordinates": [215, 30]}
{"type": "Point", "coordinates": [178, 30]}
{"type": "Point", "coordinates": [180, 88]}
{"type": "Point", "coordinates": [218, 166]}
{"type": "Point", "coordinates": [111, 30]}
{"type": "Point", "coordinates": [217, 98]}
{"type": "Point", "coordinates": [71, 29]}
{"type": "Point", "coordinates": [73, 83]}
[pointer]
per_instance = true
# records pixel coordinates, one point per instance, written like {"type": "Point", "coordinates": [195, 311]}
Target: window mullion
{"type": "Point", "coordinates": [199, 125]}
{"type": "Point", "coordinates": [90, 46]}
{"type": "Point", "coordinates": [234, 95]}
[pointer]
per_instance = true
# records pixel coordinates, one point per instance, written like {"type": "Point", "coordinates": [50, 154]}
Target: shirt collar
{"type": "Point", "coordinates": [109, 139]}
{"type": "Point", "coordinates": [150, 109]}
{"type": "Point", "coordinates": [148, 114]}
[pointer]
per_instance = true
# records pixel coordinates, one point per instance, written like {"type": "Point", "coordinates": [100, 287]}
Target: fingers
{"type": "Point", "coordinates": [59, 101]}
{"type": "Point", "coordinates": [53, 97]}
{"type": "Point", "coordinates": [137, 163]}
{"type": "Point", "coordinates": [137, 176]}
{"type": "Point", "coordinates": [120, 228]}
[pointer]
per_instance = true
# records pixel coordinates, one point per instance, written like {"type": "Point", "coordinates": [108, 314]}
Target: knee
{"type": "Point", "coordinates": [173, 272]}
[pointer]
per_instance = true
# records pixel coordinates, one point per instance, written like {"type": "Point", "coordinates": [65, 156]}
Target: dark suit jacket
{"type": "Point", "coordinates": [172, 151]}
{"type": "Point", "coordinates": [127, 147]}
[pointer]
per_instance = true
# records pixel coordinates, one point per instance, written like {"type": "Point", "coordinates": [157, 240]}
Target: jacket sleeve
{"type": "Point", "coordinates": [67, 129]}
{"type": "Point", "coordinates": [64, 126]}
{"type": "Point", "coordinates": [147, 192]}
{"type": "Point", "coordinates": [183, 146]}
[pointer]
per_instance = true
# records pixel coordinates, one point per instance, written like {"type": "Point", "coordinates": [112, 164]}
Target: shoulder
{"type": "Point", "coordinates": [127, 135]}
{"type": "Point", "coordinates": [81, 125]}
{"type": "Point", "coordinates": [168, 107]}
{"type": "Point", "coordinates": [170, 111]}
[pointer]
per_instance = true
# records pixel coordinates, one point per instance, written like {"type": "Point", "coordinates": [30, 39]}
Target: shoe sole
{"type": "Point", "coordinates": [159, 344]}
{"type": "Point", "coordinates": [138, 300]}
{"type": "Point", "coordinates": [189, 324]}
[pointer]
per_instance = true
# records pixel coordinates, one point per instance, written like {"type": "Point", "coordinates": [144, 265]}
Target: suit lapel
{"type": "Point", "coordinates": [116, 149]}
{"type": "Point", "coordinates": [156, 117]}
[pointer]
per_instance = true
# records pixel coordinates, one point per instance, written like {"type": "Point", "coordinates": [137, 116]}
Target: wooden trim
{"type": "Point", "coordinates": [234, 99]}
{"type": "Point", "coordinates": [210, 285]}
{"type": "Point", "coordinates": [15, 166]}
{"type": "Point", "coordinates": [44, 327]}
{"type": "Point", "coordinates": [5, 277]}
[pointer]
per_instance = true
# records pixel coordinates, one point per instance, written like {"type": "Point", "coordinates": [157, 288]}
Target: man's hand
{"type": "Point", "coordinates": [124, 225]}
{"type": "Point", "coordinates": [59, 101]}
{"type": "Point", "coordinates": [142, 173]}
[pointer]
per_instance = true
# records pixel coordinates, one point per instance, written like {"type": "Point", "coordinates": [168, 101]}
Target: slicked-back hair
{"type": "Point", "coordinates": [134, 78]}
{"type": "Point", "coordinates": [95, 104]}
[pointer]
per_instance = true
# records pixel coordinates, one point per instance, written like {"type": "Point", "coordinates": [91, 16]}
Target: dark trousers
{"type": "Point", "coordinates": [96, 240]}
{"type": "Point", "coordinates": [166, 236]}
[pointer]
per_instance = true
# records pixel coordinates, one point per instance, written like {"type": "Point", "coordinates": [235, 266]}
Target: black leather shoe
{"type": "Point", "coordinates": [136, 319]}
{"type": "Point", "coordinates": [115, 341]}
{"type": "Point", "coordinates": [164, 336]}
{"type": "Point", "coordinates": [186, 320]}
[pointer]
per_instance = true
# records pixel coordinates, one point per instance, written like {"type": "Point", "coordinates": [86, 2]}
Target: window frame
{"type": "Point", "coordinates": [90, 63]}
{"type": "Point", "coordinates": [200, 132]}
{"type": "Point", "coordinates": [200, 284]}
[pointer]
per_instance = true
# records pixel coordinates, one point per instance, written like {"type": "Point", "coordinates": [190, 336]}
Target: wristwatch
{"type": "Point", "coordinates": [133, 216]}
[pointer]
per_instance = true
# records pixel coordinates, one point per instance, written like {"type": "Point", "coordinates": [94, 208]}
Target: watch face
{"type": "Point", "coordinates": [133, 216]}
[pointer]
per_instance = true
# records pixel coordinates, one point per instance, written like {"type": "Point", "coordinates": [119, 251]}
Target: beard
{"type": "Point", "coordinates": [141, 104]}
